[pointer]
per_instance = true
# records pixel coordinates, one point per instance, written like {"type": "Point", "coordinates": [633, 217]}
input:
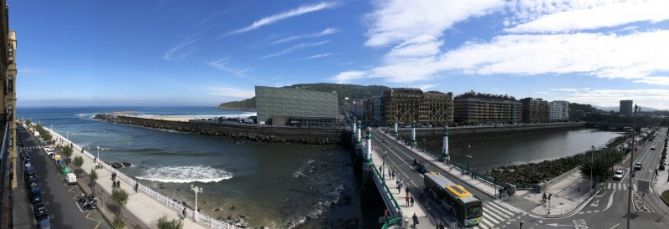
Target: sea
{"type": "Point", "coordinates": [273, 185]}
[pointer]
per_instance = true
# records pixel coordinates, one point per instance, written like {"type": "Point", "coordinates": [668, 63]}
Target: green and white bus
{"type": "Point", "coordinates": [465, 207]}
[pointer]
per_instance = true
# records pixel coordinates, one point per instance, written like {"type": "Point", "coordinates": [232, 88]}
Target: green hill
{"type": "Point", "coordinates": [351, 91]}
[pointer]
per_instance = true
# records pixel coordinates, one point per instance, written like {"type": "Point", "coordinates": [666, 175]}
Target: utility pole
{"type": "Point", "coordinates": [592, 164]}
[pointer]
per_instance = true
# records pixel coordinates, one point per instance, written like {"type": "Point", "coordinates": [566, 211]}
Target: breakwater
{"type": "Point", "coordinates": [238, 132]}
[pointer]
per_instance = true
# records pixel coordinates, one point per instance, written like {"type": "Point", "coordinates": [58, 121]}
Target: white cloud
{"type": "Point", "coordinates": [231, 92]}
{"type": "Point", "coordinates": [325, 32]}
{"type": "Point", "coordinates": [396, 21]}
{"type": "Point", "coordinates": [322, 55]}
{"type": "Point", "coordinates": [223, 64]}
{"type": "Point", "coordinates": [304, 9]}
{"type": "Point", "coordinates": [580, 15]}
{"type": "Point", "coordinates": [349, 76]}
{"type": "Point", "coordinates": [180, 51]}
{"type": "Point", "coordinates": [418, 47]}
{"type": "Point", "coordinates": [295, 48]}
{"type": "Point", "coordinates": [655, 98]}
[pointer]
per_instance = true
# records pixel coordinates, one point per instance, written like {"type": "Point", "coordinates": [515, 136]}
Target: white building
{"type": "Point", "coordinates": [558, 111]}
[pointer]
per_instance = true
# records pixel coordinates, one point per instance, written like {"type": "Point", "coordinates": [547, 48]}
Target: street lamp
{"type": "Point", "coordinates": [592, 164]}
{"type": "Point", "coordinates": [469, 157]}
{"type": "Point", "coordinates": [197, 190]}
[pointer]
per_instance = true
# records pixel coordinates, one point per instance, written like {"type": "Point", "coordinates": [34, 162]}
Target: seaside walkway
{"type": "Point", "coordinates": [145, 204]}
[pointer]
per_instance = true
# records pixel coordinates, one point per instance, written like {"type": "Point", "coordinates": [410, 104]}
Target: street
{"type": "Point", "coordinates": [608, 209]}
{"type": "Point", "coordinates": [59, 198]}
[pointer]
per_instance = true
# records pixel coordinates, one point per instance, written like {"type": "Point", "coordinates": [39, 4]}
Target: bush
{"type": "Point", "coordinates": [78, 161]}
{"type": "Point", "coordinates": [118, 223]}
{"type": "Point", "coordinates": [163, 223]}
{"type": "Point", "coordinates": [66, 150]}
{"type": "Point", "coordinates": [119, 197]}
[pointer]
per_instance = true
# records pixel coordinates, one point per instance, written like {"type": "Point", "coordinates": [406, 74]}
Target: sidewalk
{"type": "Point", "coordinates": [401, 198]}
{"type": "Point", "coordinates": [568, 193]}
{"type": "Point", "coordinates": [147, 209]}
{"type": "Point", "coordinates": [662, 182]}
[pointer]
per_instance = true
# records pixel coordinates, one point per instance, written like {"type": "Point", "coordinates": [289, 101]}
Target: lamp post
{"type": "Point", "coordinates": [97, 159]}
{"type": "Point", "coordinates": [469, 158]}
{"type": "Point", "coordinates": [197, 190]}
{"type": "Point", "coordinates": [592, 165]}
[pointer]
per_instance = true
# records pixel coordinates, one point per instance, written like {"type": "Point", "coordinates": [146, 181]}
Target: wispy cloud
{"type": "Point", "coordinates": [648, 97]}
{"type": "Point", "coordinates": [304, 9]}
{"type": "Point", "coordinates": [318, 56]}
{"type": "Point", "coordinates": [181, 50]}
{"type": "Point", "coordinates": [348, 76]}
{"type": "Point", "coordinates": [223, 64]}
{"type": "Point", "coordinates": [229, 92]}
{"type": "Point", "coordinates": [325, 32]}
{"type": "Point", "coordinates": [295, 48]}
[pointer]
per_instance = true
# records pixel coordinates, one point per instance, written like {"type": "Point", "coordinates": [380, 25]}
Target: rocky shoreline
{"type": "Point", "coordinates": [526, 175]}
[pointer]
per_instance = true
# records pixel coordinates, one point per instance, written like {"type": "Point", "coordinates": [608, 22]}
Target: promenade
{"type": "Point", "coordinates": [146, 204]}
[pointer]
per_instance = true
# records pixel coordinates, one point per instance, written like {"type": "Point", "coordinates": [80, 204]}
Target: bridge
{"type": "Point", "coordinates": [384, 152]}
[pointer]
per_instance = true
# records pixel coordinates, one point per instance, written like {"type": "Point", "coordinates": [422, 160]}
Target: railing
{"type": "Point", "coordinates": [5, 185]}
{"type": "Point", "coordinates": [200, 218]}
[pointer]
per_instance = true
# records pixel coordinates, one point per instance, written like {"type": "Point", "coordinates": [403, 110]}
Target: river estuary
{"type": "Point", "coordinates": [272, 184]}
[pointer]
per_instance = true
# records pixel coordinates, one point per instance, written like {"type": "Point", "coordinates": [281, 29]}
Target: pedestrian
{"type": "Point", "coordinates": [544, 197]}
{"type": "Point", "coordinates": [406, 190]}
{"type": "Point", "coordinates": [415, 219]}
{"type": "Point", "coordinates": [136, 186]}
{"type": "Point", "coordinates": [406, 201]}
{"type": "Point", "coordinates": [183, 213]}
{"type": "Point", "coordinates": [411, 200]}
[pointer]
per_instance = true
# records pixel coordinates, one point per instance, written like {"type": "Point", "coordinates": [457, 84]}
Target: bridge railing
{"type": "Point", "coordinates": [396, 207]}
{"type": "Point", "coordinates": [202, 219]}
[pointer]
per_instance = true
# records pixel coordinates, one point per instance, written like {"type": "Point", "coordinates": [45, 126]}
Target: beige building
{"type": "Point", "coordinates": [436, 108]}
{"type": "Point", "coordinates": [534, 110]}
{"type": "Point", "coordinates": [408, 105]}
{"type": "Point", "coordinates": [477, 108]}
{"type": "Point", "coordinates": [8, 92]}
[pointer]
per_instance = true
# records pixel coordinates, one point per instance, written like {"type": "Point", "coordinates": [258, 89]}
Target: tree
{"type": "Point", "coordinates": [78, 161]}
{"type": "Point", "coordinates": [163, 223]}
{"type": "Point", "coordinates": [67, 151]}
{"type": "Point", "coordinates": [94, 176]}
{"type": "Point", "coordinates": [28, 122]}
{"type": "Point", "coordinates": [119, 197]}
{"type": "Point", "coordinates": [118, 223]}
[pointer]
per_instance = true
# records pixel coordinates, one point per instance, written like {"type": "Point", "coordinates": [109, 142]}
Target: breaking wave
{"type": "Point", "coordinates": [186, 174]}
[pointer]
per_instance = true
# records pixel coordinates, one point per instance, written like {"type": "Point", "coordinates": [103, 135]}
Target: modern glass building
{"type": "Point", "coordinates": [296, 107]}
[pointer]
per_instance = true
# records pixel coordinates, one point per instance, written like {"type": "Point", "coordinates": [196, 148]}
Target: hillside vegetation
{"type": "Point", "coordinates": [351, 91]}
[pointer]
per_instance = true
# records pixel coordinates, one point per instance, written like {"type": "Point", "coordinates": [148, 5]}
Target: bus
{"type": "Point", "coordinates": [464, 206]}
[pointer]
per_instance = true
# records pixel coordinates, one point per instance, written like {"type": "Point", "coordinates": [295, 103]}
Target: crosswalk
{"type": "Point", "coordinates": [30, 148]}
{"type": "Point", "coordinates": [617, 186]}
{"type": "Point", "coordinates": [497, 213]}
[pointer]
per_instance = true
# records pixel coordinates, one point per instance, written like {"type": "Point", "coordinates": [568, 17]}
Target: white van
{"type": "Point", "coordinates": [70, 178]}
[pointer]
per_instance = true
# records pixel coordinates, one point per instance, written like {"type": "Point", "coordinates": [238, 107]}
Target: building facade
{"type": "Point", "coordinates": [534, 110]}
{"type": "Point", "coordinates": [436, 108]}
{"type": "Point", "coordinates": [477, 108]}
{"type": "Point", "coordinates": [296, 107]}
{"type": "Point", "coordinates": [8, 91]}
{"type": "Point", "coordinates": [558, 111]}
{"type": "Point", "coordinates": [401, 105]}
{"type": "Point", "coordinates": [626, 107]}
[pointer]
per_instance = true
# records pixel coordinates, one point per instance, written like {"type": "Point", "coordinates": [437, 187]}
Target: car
{"type": "Point", "coordinates": [45, 223]}
{"type": "Point", "coordinates": [32, 185]}
{"type": "Point", "coordinates": [40, 211]}
{"type": "Point", "coordinates": [35, 195]}
{"type": "Point", "coordinates": [637, 166]}
{"type": "Point", "coordinates": [29, 171]}
{"type": "Point", "coordinates": [652, 147]}
{"type": "Point", "coordinates": [619, 174]}
{"type": "Point", "coordinates": [421, 168]}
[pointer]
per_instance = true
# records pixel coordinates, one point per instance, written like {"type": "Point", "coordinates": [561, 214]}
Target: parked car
{"type": "Point", "coordinates": [421, 168]}
{"type": "Point", "coordinates": [29, 171]}
{"type": "Point", "coordinates": [619, 174]}
{"type": "Point", "coordinates": [71, 178]}
{"type": "Point", "coordinates": [652, 147]}
{"type": "Point", "coordinates": [40, 211]}
{"type": "Point", "coordinates": [45, 223]}
{"type": "Point", "coordinates": [35, 195]}
{"type": "Point", "coordinates": [637, 166]}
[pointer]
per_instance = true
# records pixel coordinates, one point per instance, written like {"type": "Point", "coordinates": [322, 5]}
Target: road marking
{"type": "Point", "coordinates": [94, 220]}
{"type": "Point", "coordinates": [81, 210]}
{"type": "Point", "coordinates": [493, 204]}
{"type": "Point", "coordinates": [595, 203]}
{"type": "Point", "coordinates": [614, 226]}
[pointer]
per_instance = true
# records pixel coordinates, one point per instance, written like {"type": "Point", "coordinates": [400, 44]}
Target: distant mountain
{"type": "Point", "coordinates": [350, 91]}
{"type": "Point", "coordinates": [616, 109]}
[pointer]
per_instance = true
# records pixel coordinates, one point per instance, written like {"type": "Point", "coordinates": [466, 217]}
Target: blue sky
{"type": "Point", "coordinates": [185, 52]}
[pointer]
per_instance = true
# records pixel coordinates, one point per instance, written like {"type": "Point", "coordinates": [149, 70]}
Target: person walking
{"type": "Point", "coordinates": [411, 200]}
{"type": "Point", "coordinates": [415, 219]}
{"type": "Point", "coordinates": [183, 213]}
{"type": "Point", "coordinates": [136, 186]}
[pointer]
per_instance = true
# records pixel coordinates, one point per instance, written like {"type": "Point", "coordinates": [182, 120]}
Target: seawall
{"type": "Point", "coordinates": [464, 130]}
{"type": "Point", "coordinates": [240, 132]}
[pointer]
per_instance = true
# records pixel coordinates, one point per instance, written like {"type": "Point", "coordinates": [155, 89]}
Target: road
{"type": "Point", "coordinates": [59, 198]}
{"type": "Point", "coordinates": [608, 209]}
